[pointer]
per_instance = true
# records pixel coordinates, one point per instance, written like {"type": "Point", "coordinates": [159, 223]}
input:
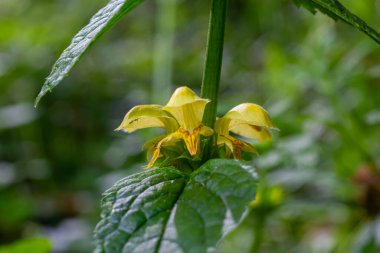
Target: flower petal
{"type": "Point", "coordinates": [168, 140]}
{"type": "Point", "coordinates": [151, 145]}
{"type": "Point", "coordinates": [235, 146]}
{"type": "Point", "coordinates": [184, 95]}
{"type": "Point", "coordinates": [145, 116]}
{"type": "Point", "coordinates": [206, 131]}
{"type": "Point", "coordinates": [191, 141]}
{"type": "Point", "coordinates": [222, 126]}
{"type": "Point", "coordinates": [251, 131]}
{"type": "Point", "coordinates": [248, 148]}
{"type": "Point", "coordinates": [223, 140]}
{"type": "Point", "coordinates": [251, 114]}
{"type": "Point", "coordinates": [187, 108]}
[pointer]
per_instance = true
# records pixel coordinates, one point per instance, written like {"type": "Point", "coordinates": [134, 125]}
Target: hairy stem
{"type": "Point", "coordinates": [214, 55]}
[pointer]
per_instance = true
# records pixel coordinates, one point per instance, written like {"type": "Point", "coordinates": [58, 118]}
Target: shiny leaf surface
{"type": "Point", "coordinates": [166, 211]}
{"type": "Point", "coordinates": [337, 11]}
{"type": "Point", "coordinates": [99, 24]}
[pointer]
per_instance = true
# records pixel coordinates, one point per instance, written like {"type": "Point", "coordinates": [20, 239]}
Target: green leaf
{"type": "Point", "coordinates": [99, 24]}
{"type": "Point", "coordinates": [166, 211]}
{"type": "Point", "coordinates": [35, 245]}
{"type": "Point", "coordinates": [337, 11]}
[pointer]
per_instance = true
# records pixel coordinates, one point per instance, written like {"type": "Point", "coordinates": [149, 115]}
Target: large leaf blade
{"type": "Point", "coordinates": [185, 214]}
{"type": "Point", "coordinates": [337, 11]}
{"type": "Point", "coordinates": [102, 21]}
{"type": "Point", "coordinates": [123, 208]}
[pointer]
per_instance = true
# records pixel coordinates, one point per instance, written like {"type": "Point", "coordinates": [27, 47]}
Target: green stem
{"type": "Point", "coordinates": [258, 229]}
{"type": "Point", "coordinates": [214, 55]}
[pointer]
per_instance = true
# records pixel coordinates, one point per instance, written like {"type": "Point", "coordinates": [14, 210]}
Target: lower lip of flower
{"type": "Point", "coordinates": [191, 139]}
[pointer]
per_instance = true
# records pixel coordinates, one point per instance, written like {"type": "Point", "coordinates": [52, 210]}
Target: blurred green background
{"type": "Point", "coordinates": [320, 81]}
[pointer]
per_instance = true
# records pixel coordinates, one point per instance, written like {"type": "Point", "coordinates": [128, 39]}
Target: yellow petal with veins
{"type": "Point", "coordinates": [222, 126]}
{"type": "Point", "coordinates": [246, 147]}
{"type": "Point", "coordinates": [168, 140]}
{"type": "Point", "coordinates": [248, 120]}
{"type": "Point", "coordinates": [192, 139]}
{"type": "Point", "coordinates": [151, 145]}
{"type": "Point", "coordinates": [187, 108]}
{"type": "Point", "coordinates": [223, 140]}
{"type": "Point", "coordinates": [206, 131]}
{"type": "Point", "coordinates": [235, 146]}
{"type": "Point", "coordinates": [145, 116]}
{"type": "Point", "coordinates": [251, 131]}
{"type": "Point", "coordinates": [184, 95]}
{"type": "Point", "coordinates": [251, 114]}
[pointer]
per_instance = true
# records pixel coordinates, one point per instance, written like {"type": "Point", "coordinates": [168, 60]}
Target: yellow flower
{"type": "Point", "coordinates": [181, 118]}
{"type": "Point", "coordinates": [247, 120]}
{"type": "Point", "coordinates": [272, 197]}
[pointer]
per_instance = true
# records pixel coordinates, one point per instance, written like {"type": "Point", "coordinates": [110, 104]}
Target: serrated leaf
{"type": "Point", "coordinates": [337, 11]}
{"type": "Point", "coordinates": [99, 24]}
{"type": "Point", "coordinates": [167, 211]}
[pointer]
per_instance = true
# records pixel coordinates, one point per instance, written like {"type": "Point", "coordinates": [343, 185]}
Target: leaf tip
{"type": "Point", "coordinates": [38, 98]}
{"type": "Point", "coordinates": [37, 101]}
{"type": "Point", "coordinates": [42, 93]}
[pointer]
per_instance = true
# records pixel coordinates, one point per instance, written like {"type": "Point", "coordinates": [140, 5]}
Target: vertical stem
{"type": "Point", "coordinates": [214, 55]}
{"type": "Point", "coordinates": [163, 50]}
{"type": "Point", "coordinates": [258, 229]}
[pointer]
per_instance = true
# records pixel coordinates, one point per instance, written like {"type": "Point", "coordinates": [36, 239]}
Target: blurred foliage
{"type": "Point", "coordinates": [35, 245]}
{"type": "Point", "coordinates": [318, 79]}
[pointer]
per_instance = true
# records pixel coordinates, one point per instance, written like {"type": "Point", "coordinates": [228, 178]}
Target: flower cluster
{"type": "Point", "coordinates": [182, 117]}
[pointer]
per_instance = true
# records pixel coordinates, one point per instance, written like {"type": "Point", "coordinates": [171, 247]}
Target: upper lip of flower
{"type": "Point", "coordinates": [144, 116]}
{"type": "Point", "coordinates": [248, 120]}
{"type": "Point", "coordinates": [187, 108]}
{"type": "Point", "coordinates": [181, 118]}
